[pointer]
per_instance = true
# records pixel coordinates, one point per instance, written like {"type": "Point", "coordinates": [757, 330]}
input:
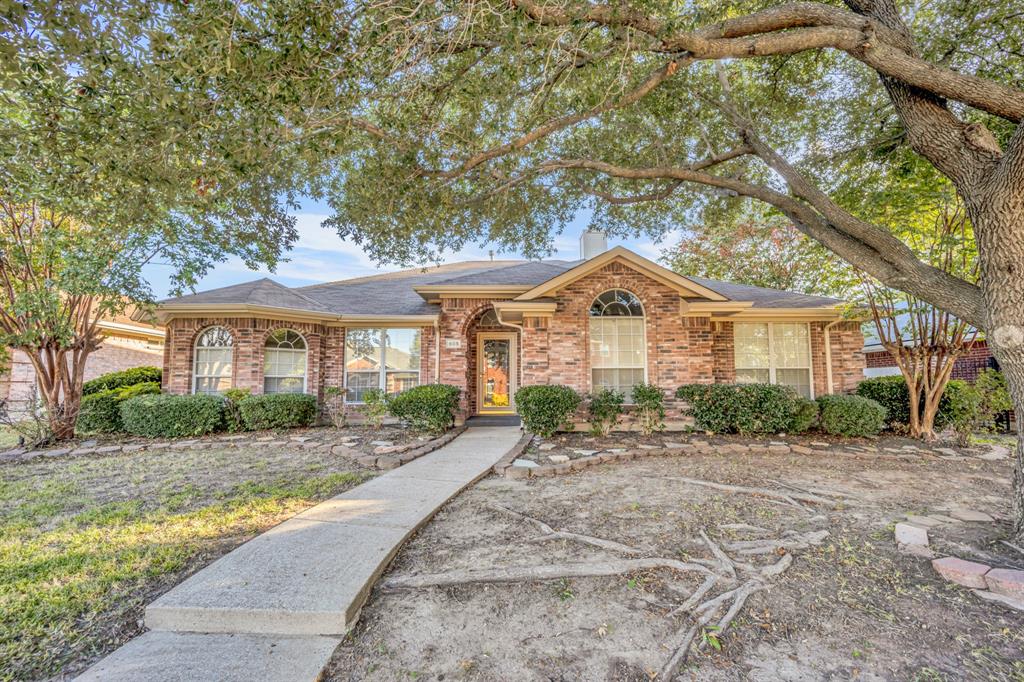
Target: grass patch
{"type": "Point", "coordinates": [8, 438]}
{"type": "Point", "coordinates": [83, 547]}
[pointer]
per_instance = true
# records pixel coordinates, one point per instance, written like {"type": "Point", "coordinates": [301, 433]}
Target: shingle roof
{"type": "Point", "coordinates": [393, 293]}
{"type": "Point", "coordinates": [261, 292]}
{"type": "Point", "coordinates": [765, 298]}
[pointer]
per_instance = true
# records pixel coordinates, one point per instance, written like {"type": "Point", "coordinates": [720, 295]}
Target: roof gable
{"type": "Point", "coordinates": [685, 286]}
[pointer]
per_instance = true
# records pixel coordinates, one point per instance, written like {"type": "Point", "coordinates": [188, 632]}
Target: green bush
{"type": "Point", "coordinates": [805, 416]}
{"type": "Point", "coordinates": [742, 408]}
{"type": "Point", "coordinates": [965, 404]}
{"type": "Point", "coordinates": [101, 412]}
{"type": "Point", "coordinates": [233, 397]}
{"type": "Point", "coordinates": [545, 409]}
{"type": "Point", "coordinates": [375, 407]}
{"type": "Point", "coordinates": [172, 416]}
{"type": "Point", "coordinates": [430, 407]}
{"type": "Point", "coordinates": [127, 377]}
{"type": "Point", "coordinates": [891, 393]}
{"type": "Point", "coordinates": [850, 415]}
{"type": "Point", "coordinates": [277, 411]}
{"type": "Point", "coordinates": [649, 403]}
{"type": "Point", "coordinates": [604, 410]}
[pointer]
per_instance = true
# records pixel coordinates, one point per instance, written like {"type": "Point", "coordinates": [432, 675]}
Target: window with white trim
{"type": "Point", "coordinates": [214, 354]}
{"type": "Point", "coordinates": [381, 358]}
{"type": "Point", "coordinates": [774, 353]}
{"type": "Point", "coordinates": [618, 345]}
{"type": "Point", "coordinates": [284, 362]}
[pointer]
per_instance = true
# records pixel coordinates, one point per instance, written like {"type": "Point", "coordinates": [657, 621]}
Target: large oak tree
{"type": "Point", "coordinates": [428, 124]}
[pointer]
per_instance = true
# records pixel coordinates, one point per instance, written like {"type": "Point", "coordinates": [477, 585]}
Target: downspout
{"type": "Point", "coordinates": [828, 354]}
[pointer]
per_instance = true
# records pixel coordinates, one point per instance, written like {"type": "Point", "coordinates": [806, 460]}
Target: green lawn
{"type": "Point", "coordinates": [86, 543]}
{"type": "Point", "coordinates": [8, 438]}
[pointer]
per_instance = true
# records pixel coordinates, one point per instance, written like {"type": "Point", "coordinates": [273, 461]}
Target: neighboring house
{"type": "Point", "coordinates": [879, 362]}
{"type": "Point", "coordinates": [612, 319]}
{"type": "Point", "coordinates": [126, 343]}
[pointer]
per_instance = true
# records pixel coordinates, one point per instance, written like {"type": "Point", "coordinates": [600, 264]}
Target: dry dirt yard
{"type": "Point", "coordinates": [605, 575]}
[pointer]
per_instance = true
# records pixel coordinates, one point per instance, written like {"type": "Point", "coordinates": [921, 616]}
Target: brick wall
{"type": "Point", "coordinates": [679, 349]}
{"type": "Point", "coordinates": [116, 353]}
{"type": "Point", "coordinates": [967, 366]}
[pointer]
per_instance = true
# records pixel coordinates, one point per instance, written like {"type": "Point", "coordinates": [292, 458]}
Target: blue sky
{"type": "Point", "coordinates": [320, 255]}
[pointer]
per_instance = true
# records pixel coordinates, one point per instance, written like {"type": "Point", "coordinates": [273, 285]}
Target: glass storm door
{"type": "Point", "coordinates": [496, 381]}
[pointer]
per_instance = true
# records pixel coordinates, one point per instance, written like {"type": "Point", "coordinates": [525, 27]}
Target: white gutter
{"type": "Point", "coordinates": [828, 354]}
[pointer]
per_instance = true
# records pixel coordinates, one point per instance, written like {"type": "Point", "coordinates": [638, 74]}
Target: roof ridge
{"type": "Point", "coordinates": [425, 269]}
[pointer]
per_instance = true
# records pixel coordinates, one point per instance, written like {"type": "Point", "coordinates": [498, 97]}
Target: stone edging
{"type": "Point", "coordinates": [504, 465]}
{"type": "Point", "coordinates": [403, 454]}
{"type": "Point", "coordinates": [1003, 585]}
{"type": "Point", "coordinates": [382, 459]}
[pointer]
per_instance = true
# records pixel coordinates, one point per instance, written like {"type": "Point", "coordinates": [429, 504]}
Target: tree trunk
{"type": "Point", "coordinates": [998, 219]}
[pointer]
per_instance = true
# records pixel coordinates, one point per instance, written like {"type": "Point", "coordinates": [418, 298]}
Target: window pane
{"type": "Point", "coordinates": [212, 384]}
{"type": "Point", "coordinates": [402, 349]}
{"type": "Point", "coordinates": [752, 376]}
{"type": "Point", "coordinates": [799, 379]}
{"type": "Point", "coordinates": [359, 382]}
{"type": "Point", "coordinates": [362, 349]}
{"type": "Point", "coordinates": [790, 346]}
{"type": "Point", "coordinates": [282, 385]}
{"type": "Point", "coordinates": [401, 381]}
{"type": "Point", "coordinates": [751, 345]}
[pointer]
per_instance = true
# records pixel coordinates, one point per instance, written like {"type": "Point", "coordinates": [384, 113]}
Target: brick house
{"type": "Point", "coordinates": [610, 319]}
{"type": "Point", "coordinates": [879, 362]}
{"type": "Point", "coordinates": [126, 343]}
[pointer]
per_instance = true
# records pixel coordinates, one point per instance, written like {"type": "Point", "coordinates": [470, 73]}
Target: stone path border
{"type": "Point", "coordinates": [291, 593]}
{"type": "Point", "coordinates": [512, 467]}
{"type": "Point", "coordinates": [1004, 585]}
{"type": "Point", "coordinates": [383, 457]}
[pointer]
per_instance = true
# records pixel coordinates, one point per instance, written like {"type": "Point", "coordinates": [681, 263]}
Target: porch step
{"type": "Point", "coordinates": [494, 420]}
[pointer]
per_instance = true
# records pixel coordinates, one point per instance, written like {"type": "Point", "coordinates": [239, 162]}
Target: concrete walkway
{"type": "Point", "coordinates": [276, 607]}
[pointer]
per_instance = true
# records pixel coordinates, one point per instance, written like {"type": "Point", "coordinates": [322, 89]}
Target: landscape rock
{"type": "Point", "coordinates": [1008, 582]}
{"type": "Point", "coordinates": [344, 451]}
{"type": "Point", "coordinates": [529, 464]}
{"type": "Point", "coordinates": [546, 446]}
{"type": "Point", "coordinates": [926, 521]}
{"type": "Point", "coordinates": [801, 449]}
{"type": "Point", "coordinates": [558, 459]}
{"type": "Point", "coordinates": [381, 442]}
{"type": "Point", "coordinates": [961, 572]}
{"type": "Point", "coordinates": [587, 453]}
{"type": "Point", "coordinates": [388, 463]}
{"type": "Point", "coordinates": [1001, 598]}
{"type": "Point", "coordinates": [911, 534]}
{"type": "Point", "coordinates": [818, 445]}
{"type": "Point", "coordinates": [517, 472]}
{"type": "Point", "coordinates": [970, 515]}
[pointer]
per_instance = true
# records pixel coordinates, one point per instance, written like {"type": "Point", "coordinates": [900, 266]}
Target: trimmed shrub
{"type": "Point", "coordinates": [232, 409]}
{"type": "Point", "coordinates": [545, 409]}
{"type": "Point", "coordinates": [375, 407]}
{"type": "Point", "coordinates": [850, 415]}
{"type": "Point", "coordinates": [741, 408]}
{"type": "Point", "coordinates": [604, 410]}
{"type": "Point", "coordinates": [277, 411]}
{"type": "Point", "coordinates": [127, 377]}
{"type": "Point", "coordinates": [891, 393]}
{"type": "Point", "coordinates": [649, 402]}
{"type": "Point", "coordinates": [101, 412]}
{"type": "Point", "coordinates": [805, 415]}
{"type": "Point", "coordinates": [172, 416]}
{"type": "Point", "coordinates": [430, 407]}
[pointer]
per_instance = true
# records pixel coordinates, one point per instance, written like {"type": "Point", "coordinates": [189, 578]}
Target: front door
{"type": "Point", "coordinates": [496, 372]}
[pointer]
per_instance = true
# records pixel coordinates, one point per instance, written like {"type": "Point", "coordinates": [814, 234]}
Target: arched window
{"type": "Point", "coordinates": [213, 361]}
{"type": "Point", "coordinates": [284, 362]}
{"type": "Point", "coordinates": [618, 346]}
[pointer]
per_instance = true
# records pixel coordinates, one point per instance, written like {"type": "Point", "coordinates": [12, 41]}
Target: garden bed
{"type": "Point", "coordinates": [849, 604]}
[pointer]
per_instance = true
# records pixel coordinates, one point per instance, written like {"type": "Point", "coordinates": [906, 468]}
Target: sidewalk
{"type": "Point", "coordinates": [280, 603]}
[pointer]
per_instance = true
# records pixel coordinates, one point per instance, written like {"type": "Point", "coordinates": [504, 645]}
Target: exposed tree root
{"type": "Point", "coordinates": [550, 533]}
{"type": "Point", "coordinates": [722, 570]}
{"type": "Point", "coordinates": [544, 572]}
{"type": "Point", "coordinates": [790, 498]}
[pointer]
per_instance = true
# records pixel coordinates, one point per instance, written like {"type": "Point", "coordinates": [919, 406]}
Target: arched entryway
{"type": "Point", "coordinates": [492, 373]}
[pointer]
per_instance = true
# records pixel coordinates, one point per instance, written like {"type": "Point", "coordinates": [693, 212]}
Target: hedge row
{"type": "Point", "coordinates": [720, 408]}
{"type": "Point", "coordinates": [122, 379]}
{"type": "Point", "coordinates": [100, 412]}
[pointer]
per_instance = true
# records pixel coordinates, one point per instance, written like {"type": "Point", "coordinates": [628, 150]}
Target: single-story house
{"type": "Point", "coordinates": [611, 319]}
